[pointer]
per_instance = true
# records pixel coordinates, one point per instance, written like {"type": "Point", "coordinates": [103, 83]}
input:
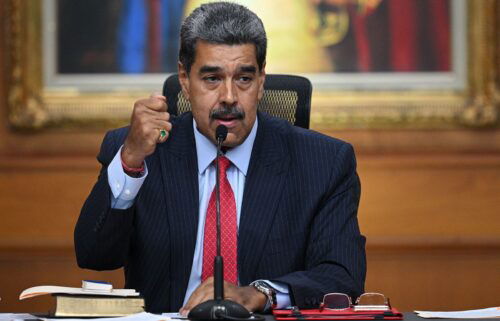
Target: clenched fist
{"type": "Point", "coordinates": [149, 117]}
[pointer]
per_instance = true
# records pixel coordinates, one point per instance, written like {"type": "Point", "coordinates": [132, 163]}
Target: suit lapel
{"type": "Point", "coordinates": [263, 187]}
{"type": "Point", "coordinates": [180, 176]}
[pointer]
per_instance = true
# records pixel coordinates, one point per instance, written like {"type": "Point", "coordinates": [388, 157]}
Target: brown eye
{"type": "Point", "coordinates": [211, 79]}
{"type": "Point", "coordinates": [244, 79]}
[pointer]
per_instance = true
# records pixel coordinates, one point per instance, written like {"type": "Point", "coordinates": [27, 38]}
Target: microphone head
{"type": "Point", "coordinates": [221, 133]}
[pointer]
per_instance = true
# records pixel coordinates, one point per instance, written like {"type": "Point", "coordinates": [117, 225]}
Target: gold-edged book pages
{"type": "Point", "coordinates": [96, 306]}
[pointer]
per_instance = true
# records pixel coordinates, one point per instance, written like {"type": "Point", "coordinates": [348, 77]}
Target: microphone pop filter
{"type": "Point", "coordinates": [221, 133]}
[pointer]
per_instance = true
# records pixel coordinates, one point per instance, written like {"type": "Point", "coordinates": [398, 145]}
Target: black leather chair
{"type": "Point", "coordinates": [285, 96]}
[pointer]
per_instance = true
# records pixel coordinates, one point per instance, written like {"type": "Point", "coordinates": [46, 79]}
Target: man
{"type": "Point", "coordinates": [294, 192]}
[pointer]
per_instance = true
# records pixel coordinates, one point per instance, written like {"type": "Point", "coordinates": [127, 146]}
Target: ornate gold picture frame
{"type": "Point", "coordinates": [32, 105]}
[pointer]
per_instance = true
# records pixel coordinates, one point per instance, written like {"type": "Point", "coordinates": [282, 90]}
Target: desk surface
{"type": "Point", "coordinates": [411, 316]}
{"type": "Point", "coordinates": [408, 316]}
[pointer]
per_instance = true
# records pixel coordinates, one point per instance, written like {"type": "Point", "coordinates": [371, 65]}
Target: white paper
{"type": "Point", "coordinates": [97, 286]}
{"type": "Point", "coordinates": [469, 314]}
{"type": "Point", "coordinates": [143, 316]}
{"type": "Point", "coordinates": [173, 315]}
{"type": "Point", "coordinates": [16, 316]}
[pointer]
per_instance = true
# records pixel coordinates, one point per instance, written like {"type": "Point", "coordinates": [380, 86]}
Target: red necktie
{"type": "Point", "coordinates": [229, 230]}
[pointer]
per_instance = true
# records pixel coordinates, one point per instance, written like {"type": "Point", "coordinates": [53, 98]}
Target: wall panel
{"type": "Point", "coordinates": [22, 268]}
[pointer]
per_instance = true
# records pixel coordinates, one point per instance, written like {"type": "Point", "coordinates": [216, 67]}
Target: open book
{"type": "Point", "coordinates": [88, 288]}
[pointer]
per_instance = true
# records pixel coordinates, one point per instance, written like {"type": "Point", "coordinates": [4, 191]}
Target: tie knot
{"type": "Point", "coordinates": [224, 164]}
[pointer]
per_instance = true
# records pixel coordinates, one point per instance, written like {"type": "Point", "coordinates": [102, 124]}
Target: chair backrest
{"type": "Point", "coordinates": [285, 96]}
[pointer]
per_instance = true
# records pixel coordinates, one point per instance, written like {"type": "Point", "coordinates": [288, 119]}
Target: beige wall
{"type": "Point", "coordinates": [429, 208]}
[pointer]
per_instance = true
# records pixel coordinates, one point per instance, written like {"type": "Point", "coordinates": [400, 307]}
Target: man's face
{"type": "Point", "coordinates": [224, 86]}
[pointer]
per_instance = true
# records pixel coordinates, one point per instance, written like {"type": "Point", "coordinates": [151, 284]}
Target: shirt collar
{"type": "Point", "coordinates": [239, 155]}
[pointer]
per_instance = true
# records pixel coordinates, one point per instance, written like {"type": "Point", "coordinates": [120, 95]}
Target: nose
{"type": "Point", "coordinates": [228, 93]}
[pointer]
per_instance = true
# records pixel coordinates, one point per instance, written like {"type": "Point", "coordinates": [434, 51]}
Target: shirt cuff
{"type": "Point", "coordinates": [124, 188]}
{"type": "Point", "coordinates": [282, 295]}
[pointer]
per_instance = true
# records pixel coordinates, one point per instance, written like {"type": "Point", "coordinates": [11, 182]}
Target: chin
{"type": "Point", "coordinates": [230, 144]}
{"type": "Point", "coordinates": [231, 141]}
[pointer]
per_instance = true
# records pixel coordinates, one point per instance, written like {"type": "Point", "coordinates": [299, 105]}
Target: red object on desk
{"type": "Point", "coordinates": [326, 314]}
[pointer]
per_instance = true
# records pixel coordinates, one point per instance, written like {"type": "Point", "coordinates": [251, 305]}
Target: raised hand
{"type": "Point", "coordinates": [149, 126]}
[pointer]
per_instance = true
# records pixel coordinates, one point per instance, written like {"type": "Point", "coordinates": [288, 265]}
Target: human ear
{"type": "Point", "coordinates": [183, 79]}
{"type": "Point", "coordinates": [262, 80]}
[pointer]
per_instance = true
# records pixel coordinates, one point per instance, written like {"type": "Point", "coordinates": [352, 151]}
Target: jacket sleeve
{"type": "Point", "coordinates": [335, 256]}
{"type": "Point", "coordinates": [102, 234]}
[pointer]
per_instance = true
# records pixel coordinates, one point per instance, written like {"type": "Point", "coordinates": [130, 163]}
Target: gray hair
{"type": "Point", "coordinates": [222, 23]}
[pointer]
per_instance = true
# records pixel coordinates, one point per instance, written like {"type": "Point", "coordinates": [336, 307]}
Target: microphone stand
{"type": "Point", "coordinates": [219, 309]}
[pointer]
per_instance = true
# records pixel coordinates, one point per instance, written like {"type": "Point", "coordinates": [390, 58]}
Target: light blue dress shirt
{"type": "Point", "coordinates": [125, 188]}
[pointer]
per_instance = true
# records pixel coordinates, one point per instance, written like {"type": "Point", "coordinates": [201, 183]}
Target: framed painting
{"type": "Point", "coordinates": [373, 63]}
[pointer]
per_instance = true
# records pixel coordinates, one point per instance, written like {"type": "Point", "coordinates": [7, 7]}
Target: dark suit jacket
{"type": "Point", "coordinates": [298, 221]}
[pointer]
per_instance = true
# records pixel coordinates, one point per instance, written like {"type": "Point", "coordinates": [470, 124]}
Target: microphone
{"type": "Point", "coordinates": [219, 309]}
{"type": "Point", "coordinates": [220, 137]}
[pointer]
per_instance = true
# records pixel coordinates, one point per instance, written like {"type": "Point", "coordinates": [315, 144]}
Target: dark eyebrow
{"type": "Point", "coordinates": [248, 68]}
{"type": "Point", "coordinates": [207, 69]}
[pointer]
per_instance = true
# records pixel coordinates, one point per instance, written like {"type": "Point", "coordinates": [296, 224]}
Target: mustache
{"type": "Point", "coordinates": [226, 111]}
